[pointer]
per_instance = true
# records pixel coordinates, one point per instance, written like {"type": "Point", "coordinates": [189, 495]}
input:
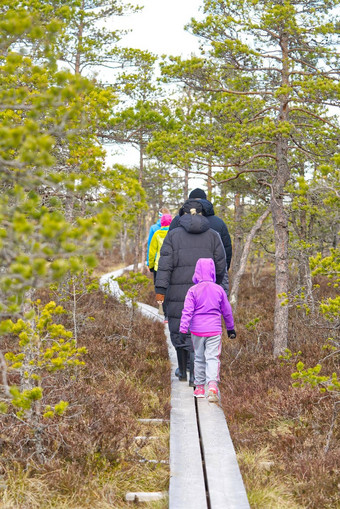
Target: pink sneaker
{"type": "Point", "coordinates": [199, 391]}
{"type": "Point", "coordinates": [213, 392]}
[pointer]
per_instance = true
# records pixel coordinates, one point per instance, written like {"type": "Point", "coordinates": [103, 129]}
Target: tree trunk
{"type": "Point", "coordinates": [186, 185]}
{"type": "Point", "coordinates": [123, 242]}
{"type": "Point", "coordinates": [139, 216]}
{"type": "Point", "coordinates": [280, 224]}
{"type": "Point", "coordinates": [305, 276]}
{"type": "Point", "coordinates": [137, 242]}
{"type": "Point", "coordinates": [74, 311]}
{"type": "Point", "coordinates": [69, 207]}
{"type": "Point", "coordinates": [306, 281]}
{"type": "Point", "coordinates": [27, 383]}
{"type": "Point", "coordinates": [243, 261]}
{"type": "Point", "coordinates": [280, 219]}
{"type": "Point", "coordinates": [336, 228]}
{"type": "Point", "coordinates": [209, 181]}
{"type": "Point", "coordinates": [79, 44]}
{"type": "Point", "coordinates": [256, 268]}
{"type": "Point", "coordinates": [223, 206]}
{"type": "Point", "coordinates": [144, 242]}
{"type": "Point", "coordinates": [281, 275]}
{"type": "Point", "coordinates": [238, 235]}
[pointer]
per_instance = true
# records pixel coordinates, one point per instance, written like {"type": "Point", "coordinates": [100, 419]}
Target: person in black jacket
{"type": "Point", "coordinates": [215, 222]}
{"type": "Point", "coordinates": [182, 247]}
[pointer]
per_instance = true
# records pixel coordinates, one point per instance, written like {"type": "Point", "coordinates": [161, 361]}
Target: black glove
{"type": "Point", "coordinates": [183, 337]}
{"type": "Point", "coordinates": [152, 270]}
{"type": "Point", "coordinates": [231, 334]}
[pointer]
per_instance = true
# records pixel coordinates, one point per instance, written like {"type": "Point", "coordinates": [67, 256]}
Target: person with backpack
{"type": "Point", "coordinates": [153, 229]}
{"type": "Point", "coordinates": [155, 249]}
{"type": "Point", "coordinates": [204, 304]}
{"type": "Point", "coordinates": [182, 247]}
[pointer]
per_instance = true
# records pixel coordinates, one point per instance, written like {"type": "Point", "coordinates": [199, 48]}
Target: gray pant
{"type": "Point", "coordinates": [207, 358]}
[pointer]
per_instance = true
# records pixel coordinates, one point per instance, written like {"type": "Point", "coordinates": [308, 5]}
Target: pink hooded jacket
{"type": "Point", "coordinates": [206, 302]}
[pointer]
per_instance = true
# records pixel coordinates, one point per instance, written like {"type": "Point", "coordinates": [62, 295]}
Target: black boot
{"type": "Point", "coordinates": [191, 360]}
{"type": "Point", "coordinates": [182, 364]}
{"type": "Point", "coordinates": [185, 355]}
{"type": "Point", "coordinates": [188, 367]}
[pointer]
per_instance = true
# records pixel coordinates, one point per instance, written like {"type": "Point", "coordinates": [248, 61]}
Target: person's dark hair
{"type": "Point", "coordinates": [198, 193]}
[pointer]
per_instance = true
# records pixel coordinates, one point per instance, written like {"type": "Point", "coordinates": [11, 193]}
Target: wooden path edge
{"type": "Point", "coordinates": [204, 473]}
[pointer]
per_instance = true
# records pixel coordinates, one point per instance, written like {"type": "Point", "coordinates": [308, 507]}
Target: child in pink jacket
{"type": "Point", "coordinates": [204, 304]}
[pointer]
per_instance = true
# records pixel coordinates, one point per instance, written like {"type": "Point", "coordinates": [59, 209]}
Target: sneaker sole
{"type": "Point", "coordinates": [199, 395]}
{"type": "Point", "coordinates": [212, 397]}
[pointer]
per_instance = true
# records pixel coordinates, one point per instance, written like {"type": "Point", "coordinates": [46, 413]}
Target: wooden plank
{"type": "Point", "coordinates": [107, 282]}
{"type": "Point", "coordinates": [139, 496]}
{"type": "Point", "coordinates": [154, 421]}
{"type": "Point", "coordinates": [225, 484]}
{"type": "Point", "coordinates": [150, 311]}
{"type": "Point", "coordinates": [187, 488]}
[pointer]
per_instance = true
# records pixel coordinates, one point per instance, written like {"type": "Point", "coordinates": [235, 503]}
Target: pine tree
{"type": "Point", "coordinates": [283, 55]}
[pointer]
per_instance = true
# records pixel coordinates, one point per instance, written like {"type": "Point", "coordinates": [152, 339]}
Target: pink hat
{"type": "Point", "coordinates": [166, 219]}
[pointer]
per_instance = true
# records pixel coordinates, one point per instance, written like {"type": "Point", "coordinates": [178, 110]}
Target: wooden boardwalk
{"type": "Point", "coordinates": [204, 473]}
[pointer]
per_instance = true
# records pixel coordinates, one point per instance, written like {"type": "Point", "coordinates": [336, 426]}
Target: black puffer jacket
{"type": "Point", "coordinates": [181, 249]}
{"type": "Point", "coordinates": [216, 223]}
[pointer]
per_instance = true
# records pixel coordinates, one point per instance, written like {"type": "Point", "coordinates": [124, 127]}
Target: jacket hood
{"type": "Point", "coordinates": [191, 204]}
{"type": "Point", "coordinates": [166, 219]}
{"type": "Point", "coordinates": [208, 208]}
{"type": "Point", "coordinates": [204, 271]}
{"type": "Point", "coordinates": [194, 223]}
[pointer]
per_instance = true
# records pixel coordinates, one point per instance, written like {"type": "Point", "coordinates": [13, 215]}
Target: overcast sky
{"type": "Point", "coordinates": [159, 28]}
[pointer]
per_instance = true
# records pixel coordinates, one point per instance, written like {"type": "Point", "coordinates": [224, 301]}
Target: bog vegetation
{"type": "Point", "coordinates": [256, 117]}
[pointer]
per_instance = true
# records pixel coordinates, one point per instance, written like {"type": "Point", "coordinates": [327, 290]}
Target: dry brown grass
{"type": "Point", "coordinates": [265, 413]}
{"type": "Point", "coordinates": [96, 459]}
